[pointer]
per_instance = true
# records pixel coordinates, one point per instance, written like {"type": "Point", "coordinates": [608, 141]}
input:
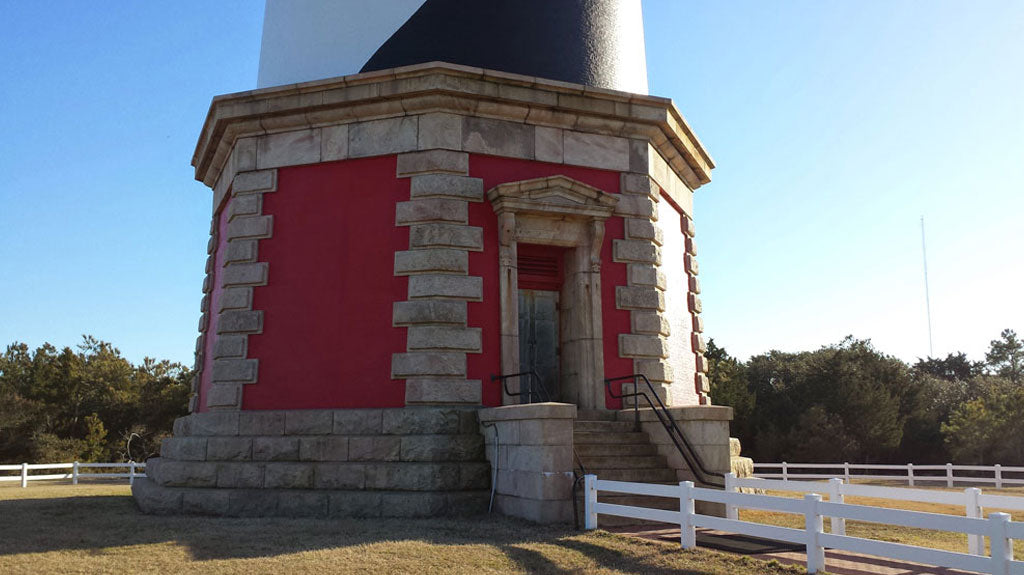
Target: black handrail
{"type": "Point", "coordinates": [535, 388]}
{"type": "Point", "coordinates": [690, 455]}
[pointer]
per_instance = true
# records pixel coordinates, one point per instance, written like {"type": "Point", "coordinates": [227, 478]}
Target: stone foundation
{"type": "Point", "coordinates": [408, 462]}
{"type": "Point", "coordinates": [531, 447]}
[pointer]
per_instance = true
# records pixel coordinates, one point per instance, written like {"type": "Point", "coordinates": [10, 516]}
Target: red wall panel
{"type": "Point", "coordinates": [328, 338]}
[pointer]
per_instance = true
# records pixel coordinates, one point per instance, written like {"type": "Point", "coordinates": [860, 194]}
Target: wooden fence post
{"type": "Point", "coordinates": [785, 472]}
{"type": "Point", "coordinates": [846, 471]}
{"type": "Point", "coordinates": [1002, 546]}
{"type": "Point", "coordinates": [814, 526]}
{"type": "Point", "coordinates": [730, 487]}
{"type": "Point", "coordinates": [972, 508]}
{"type": "Point", "coordinates": [910, 474]}
{"type": "Point", "coordinates": [590, 501]}
{"type": "Point", "coordinates": [687, 530]}
{"type": "Point", "coordinates": [131, 473]}
{"type": "Point", "coordinates": [74, 473]}
{"type": "Point", "coordinates": [24, 475]}
{"type": "Point", "coordinates": [999, 476]}
{"type": "Point", "coordinates": [835, 495]}
{"type": "Point", "coordinates": [949, 475]}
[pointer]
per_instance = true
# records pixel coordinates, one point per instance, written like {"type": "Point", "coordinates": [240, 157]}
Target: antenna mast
{"type": "Point", "coordinates": [927, 298]}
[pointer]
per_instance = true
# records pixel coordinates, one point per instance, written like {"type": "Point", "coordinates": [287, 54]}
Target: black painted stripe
{"type": "Point", "coordinates": [569, 40]}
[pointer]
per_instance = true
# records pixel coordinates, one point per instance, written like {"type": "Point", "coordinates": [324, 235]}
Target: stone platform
{"type": "Point", "coordinates": [404, 462]}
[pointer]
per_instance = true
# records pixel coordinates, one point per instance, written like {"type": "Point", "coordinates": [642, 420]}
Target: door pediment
{"type": "Point", "coordinates": [555, 196]}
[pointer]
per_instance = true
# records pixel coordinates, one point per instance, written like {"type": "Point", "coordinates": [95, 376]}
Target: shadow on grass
{"type": "Point", "coordinates": [102, 522]}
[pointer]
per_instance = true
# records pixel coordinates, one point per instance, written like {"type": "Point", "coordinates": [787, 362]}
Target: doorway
{"type": "Point", "coordinates": [539, 283]}
{"type": "Point", "coordinates": [538, 342]}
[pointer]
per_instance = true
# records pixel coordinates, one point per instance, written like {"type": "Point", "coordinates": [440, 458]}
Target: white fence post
{"type": "Point", "coordinates": [972, 508]}
{"type": "Point", "coordinates": [730, 487]}
{"type": "Point", "coordinates": [24, 475]}
{"type": "Point", "coordinates": [131, 473]}
{"type": "Point", "coordinates": [74, 473]}
{"type": "Point", "coordinates": [999, 476]}
{"type": "Point", "coordinates": [835, 495]}
{"type": "Point", "coordinates": [910, 474]}
{"type": "Point", "coordinates": [785, 472]}
{"type": "Point", "coordinates": [687, 530]}
{"type": "Point", "coordinates": [814, 525]}
{"type": "Point", "coordinates": [590, 501]}
{"type": "Point", "coordinates": [1002, 546]}
{"type": "Point", "coordinates": [949, 475]}
{"type": "Point", "coordinates": [846, 471]}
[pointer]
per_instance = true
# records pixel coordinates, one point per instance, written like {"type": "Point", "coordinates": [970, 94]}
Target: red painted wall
{"type": "Point", "coordinates": [328, 338]}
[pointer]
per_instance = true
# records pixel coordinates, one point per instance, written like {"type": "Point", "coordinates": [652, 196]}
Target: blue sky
{"type": "Point", "coordinates": [835, 127]}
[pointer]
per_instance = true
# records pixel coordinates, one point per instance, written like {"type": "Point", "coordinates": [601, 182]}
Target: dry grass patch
{"type": "Point", "coordinates": [97, 529]}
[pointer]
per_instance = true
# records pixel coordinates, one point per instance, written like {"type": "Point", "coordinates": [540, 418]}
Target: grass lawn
{"type": "Point", "coordinates": [910, 536]}
{"type": "Point", "coordinates": [97, 529]}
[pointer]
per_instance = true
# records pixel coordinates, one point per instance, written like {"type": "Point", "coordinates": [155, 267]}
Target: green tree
{"type": "Point", "coordinates": [83, 403]}
{"type": "Point", "coordinates": [1005, 356]}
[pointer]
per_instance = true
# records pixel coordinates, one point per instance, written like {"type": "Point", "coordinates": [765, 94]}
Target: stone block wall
{"type": "Point", "coordinates": [360, 462]}
{"type": "Point", "coordinates": [531, 448]}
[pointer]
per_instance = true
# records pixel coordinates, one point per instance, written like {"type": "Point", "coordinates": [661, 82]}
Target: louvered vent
{"type": "Point", "coordinates": [539, 266]}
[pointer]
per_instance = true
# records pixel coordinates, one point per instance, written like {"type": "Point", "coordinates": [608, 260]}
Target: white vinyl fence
{"type": "Point", "coordinates": [971, 499]}
{"type": "Point", "coordinates": [73, 471]}
{"type": "Point", "coordinates": [998, 527]}
{"type": "Point", "coordinates": [913, 474]}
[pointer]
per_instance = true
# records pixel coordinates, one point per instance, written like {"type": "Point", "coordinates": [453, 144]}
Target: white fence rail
{"type": "Point", "coordinates": [971, 499]}
{"type": "Point", "coordinates": [912, 474]}
{"type": "Point", "coordinates": [998, 527]}
{"type": "Point", "coordinates": [73, 473]}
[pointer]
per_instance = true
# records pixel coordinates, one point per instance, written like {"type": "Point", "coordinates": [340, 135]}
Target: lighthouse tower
{"type": "Point", "coordinates": [450, 241]}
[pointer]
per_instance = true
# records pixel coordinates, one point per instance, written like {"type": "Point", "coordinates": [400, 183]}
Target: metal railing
{"type": "Point", "coordinates": [535, 391]}
{"type": "Point", "coordinates": [686, 450]}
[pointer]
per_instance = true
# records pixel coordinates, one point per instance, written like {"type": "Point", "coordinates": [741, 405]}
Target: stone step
{"type": "Point", "coordinates": [423, 447]}
{"type": "Point", "coordinates": [602, 426]}
{"type": "Point", "coordinates": [405, 476]}
{"type": "Point", "coordinates": [592, 437]}
{"type": "Point", "coordinates": [624, 462]}
{"type": "Point", "coordinates": [614, 449]}
{"type": "Point", "coordinates": [596, 414]}
{"type": "Point", "coordinates": [662, 475]}
{"type": "Point", "coordinates": [156, 499]}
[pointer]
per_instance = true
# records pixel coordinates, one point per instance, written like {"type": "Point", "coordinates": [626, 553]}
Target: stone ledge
{"type": "Point", "coordinates": [548, 410]}
{"type": "Point", "coordinates": [422, 420]}
{"type": "Point", "coordinates": [687, 413]}
{"type": "Point", "coordinates": [438, 87]}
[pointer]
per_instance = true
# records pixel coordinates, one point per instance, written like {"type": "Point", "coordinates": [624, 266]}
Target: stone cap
{"type": "Point", "coordinates": [547, 410]}
{"type": "Point", "coordinates": [443, 87]}
{"type": "Point", "coordinates": [687, 413]}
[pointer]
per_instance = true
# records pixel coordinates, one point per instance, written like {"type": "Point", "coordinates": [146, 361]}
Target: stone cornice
{"type": "Point", "coordinates": [442, 87]}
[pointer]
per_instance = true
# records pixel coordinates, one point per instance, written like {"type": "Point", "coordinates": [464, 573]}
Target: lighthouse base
{"type": "Point", "coordinates": [409, 462]}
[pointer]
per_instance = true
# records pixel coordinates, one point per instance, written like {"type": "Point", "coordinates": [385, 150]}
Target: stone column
{"type": "Point", "coordinates": [437, 264]}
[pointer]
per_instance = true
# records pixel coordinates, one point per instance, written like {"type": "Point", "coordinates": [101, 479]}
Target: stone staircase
{"type": "Point", "coordinates": [413, 462]}
{"type": "Point", "coordinates": [614, 450]}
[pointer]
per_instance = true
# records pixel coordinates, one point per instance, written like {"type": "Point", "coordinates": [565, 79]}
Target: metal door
{"type": "Point", "coordinates": [538, 340]}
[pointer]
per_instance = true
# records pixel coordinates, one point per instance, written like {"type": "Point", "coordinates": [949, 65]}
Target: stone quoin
{"type": "Point", "coordinates": [383, 243]}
